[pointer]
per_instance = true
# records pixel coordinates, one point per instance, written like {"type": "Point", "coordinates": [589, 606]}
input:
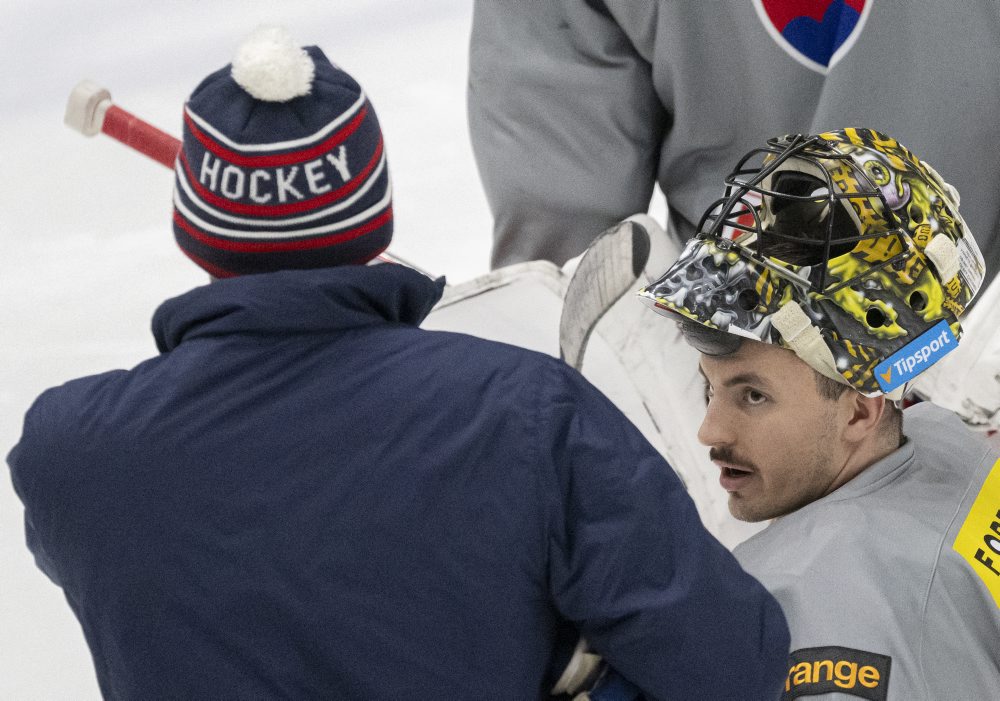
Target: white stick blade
{"type": "Point", "coordinates": [607, 270]}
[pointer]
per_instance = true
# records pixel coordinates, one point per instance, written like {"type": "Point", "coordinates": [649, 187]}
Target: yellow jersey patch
{"type": "Point", "coordinates": [978, 540]}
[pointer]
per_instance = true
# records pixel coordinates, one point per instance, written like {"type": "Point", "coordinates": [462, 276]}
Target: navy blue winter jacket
{"type": "Point", "coordinates": [305, 496]}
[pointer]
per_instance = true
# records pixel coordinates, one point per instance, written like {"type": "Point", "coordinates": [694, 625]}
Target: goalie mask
{"type": "Point", "coordinates": [843, 247]}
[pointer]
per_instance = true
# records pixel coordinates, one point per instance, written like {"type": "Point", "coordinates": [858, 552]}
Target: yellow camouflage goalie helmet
{"type": "Point", "coordinates": [843, 247]}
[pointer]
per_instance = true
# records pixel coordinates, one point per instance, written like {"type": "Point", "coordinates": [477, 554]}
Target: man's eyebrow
{"type": "Point", "coordinates": [744, 378]}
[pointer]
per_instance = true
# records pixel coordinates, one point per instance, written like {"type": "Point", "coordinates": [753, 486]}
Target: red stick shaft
{"type": "Point", "coordinates": [140, 135]}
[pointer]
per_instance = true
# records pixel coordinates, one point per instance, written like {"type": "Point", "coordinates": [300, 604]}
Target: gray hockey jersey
{"type": "Point", "coordinates": [891, 583]}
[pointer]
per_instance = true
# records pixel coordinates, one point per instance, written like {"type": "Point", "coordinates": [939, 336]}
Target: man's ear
{"type": "Point", "coordinates": [863, 415]}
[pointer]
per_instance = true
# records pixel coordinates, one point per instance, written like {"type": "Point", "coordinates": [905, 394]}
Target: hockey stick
{"type": "Point", "coordinates": [607, 270]}
{"type": "Point", "coordinates": [90, 110]}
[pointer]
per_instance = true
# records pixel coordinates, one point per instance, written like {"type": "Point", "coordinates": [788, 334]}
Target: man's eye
{"type": "Point", "coordinates": [752, 396]}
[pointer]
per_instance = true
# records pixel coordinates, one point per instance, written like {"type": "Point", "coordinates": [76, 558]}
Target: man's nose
{"type": "Point", "coordinates": [715, 429]}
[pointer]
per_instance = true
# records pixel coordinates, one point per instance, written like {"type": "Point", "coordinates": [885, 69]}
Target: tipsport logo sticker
{"type": "Point", "coordinates": [816, 33]}
{"type": "Point", "coordinates": [915, 357]}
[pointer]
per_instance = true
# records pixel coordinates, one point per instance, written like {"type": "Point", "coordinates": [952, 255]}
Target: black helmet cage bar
{"type": "Point", "coordinates": [810, 149]}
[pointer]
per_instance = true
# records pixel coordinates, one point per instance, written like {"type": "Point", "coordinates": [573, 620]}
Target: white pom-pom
{"type": "Point", "coordinates": [271, 66]}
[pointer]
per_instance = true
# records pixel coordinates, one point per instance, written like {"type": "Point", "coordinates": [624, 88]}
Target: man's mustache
{"type": "Point", "coordinates": [727, 456]}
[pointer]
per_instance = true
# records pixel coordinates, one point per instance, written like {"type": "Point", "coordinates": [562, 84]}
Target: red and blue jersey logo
{"type": "Point", "coordinates": [816, 33]}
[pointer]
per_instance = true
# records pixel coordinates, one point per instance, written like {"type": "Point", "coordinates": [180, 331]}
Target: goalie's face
{"type": "Point", "coordinates": [778, 442]}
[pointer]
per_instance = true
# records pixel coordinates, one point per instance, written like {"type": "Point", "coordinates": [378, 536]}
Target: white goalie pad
{"type": "Point", "coordinates": [967, 380]}
{"type": "Point", "coordinates": [637, 358]}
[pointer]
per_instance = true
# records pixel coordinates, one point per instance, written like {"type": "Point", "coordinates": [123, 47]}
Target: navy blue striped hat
{"type": "Point", "coordinates": [282, 166]}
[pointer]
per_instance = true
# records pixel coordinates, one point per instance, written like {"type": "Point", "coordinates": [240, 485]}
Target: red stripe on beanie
{"type": "Point", "coordinates": [277, 210]}
{"type": "Point", "coordinates": [277, 159]}
{"type": "Point", "coordinates": [278, 246]}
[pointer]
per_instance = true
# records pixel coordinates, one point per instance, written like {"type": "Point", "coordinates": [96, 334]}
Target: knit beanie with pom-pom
{"type": "Point", "coordinates": [282, 165]}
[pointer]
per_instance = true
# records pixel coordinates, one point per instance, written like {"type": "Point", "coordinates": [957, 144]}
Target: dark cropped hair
{"type": "Point", "coordinates": [707, 340]}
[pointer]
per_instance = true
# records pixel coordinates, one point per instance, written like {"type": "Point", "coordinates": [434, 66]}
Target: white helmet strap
{"type": "Point", "coordinates": [804, 337]}
{"type": "Point", "coordinates": [943, 253]}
